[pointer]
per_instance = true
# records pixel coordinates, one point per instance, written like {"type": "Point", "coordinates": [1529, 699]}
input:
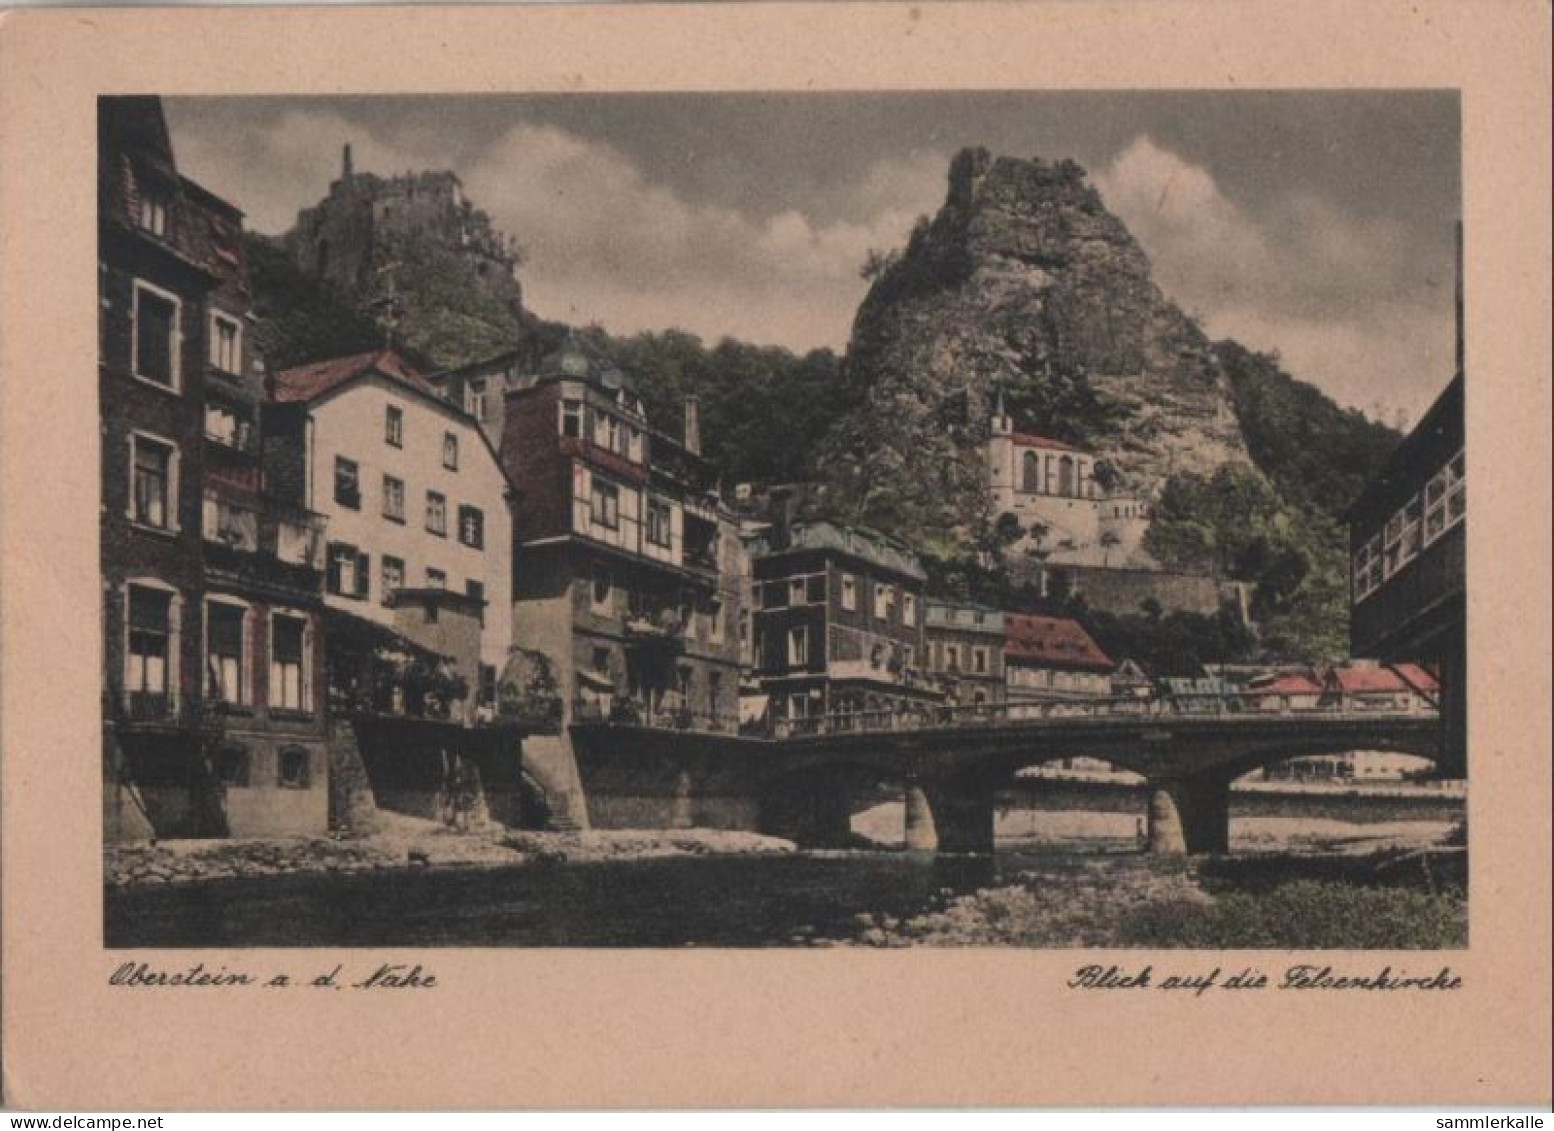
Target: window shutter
{"type": "Point", "coordinates": [363, 574]}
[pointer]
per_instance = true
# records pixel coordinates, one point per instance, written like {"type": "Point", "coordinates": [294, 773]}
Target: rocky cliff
{"type": "Point", "coordinates": [1024, 281]}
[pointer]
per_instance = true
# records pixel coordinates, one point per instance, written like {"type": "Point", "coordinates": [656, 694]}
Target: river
{"type": "Point", "coordinates": [714, 901]}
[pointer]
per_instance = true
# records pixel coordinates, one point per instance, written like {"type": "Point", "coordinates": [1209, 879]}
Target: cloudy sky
{"type": "Point", "coordinates": [1316, 224]}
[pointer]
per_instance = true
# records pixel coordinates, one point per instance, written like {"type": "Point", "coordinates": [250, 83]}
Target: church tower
{"type": "Point", "coordinates": [1000, 454]}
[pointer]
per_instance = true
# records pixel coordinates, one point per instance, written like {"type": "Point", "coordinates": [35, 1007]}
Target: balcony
{"type": "Point", "coordinates": [661, 631]}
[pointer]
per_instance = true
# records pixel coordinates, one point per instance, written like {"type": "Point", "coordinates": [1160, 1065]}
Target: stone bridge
{"type": "Point", "coordinates": [802, 784]}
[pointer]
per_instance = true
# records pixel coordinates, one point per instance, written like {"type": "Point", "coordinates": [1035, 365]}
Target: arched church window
{"type": "Point", "coordinates": [1031, 472]}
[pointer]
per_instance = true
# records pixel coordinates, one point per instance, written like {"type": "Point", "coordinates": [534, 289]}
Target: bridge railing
{"type": "Point", "coordinates": [628, 712]}
{"type": "Point", "coordinates": [1244, 704]}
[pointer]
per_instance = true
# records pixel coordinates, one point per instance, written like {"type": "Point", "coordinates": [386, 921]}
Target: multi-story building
{"type": "Point", "coordinates": [1069, 514]}
{"type": "Point", "coordinates": [629, 569]}
{"type": "Point", "coordinates": [628, 560]}
{"type": "Point", "coordinates": [840, 622]}
{"type": "Point", "coordinates": [213, 717]}
{"type": "Point", "coordinates": [1408, 543]}
{"type": "Point", "coordinates": [1053, 658]}
{"type": "Point", "coordinates": [964, 650]}
{"type": "Point", "coordinates": [420, 525]}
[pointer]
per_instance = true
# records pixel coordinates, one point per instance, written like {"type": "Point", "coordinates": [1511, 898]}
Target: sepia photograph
{"type": "Point", "coordinates": [1019, 518]}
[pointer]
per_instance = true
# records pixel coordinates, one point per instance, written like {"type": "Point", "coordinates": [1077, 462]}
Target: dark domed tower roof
{"type": "Point", "coordinates": [574, 361]}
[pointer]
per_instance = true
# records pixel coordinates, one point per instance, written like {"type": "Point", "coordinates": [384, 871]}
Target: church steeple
{"type": "Point", "coordinates": [1003, 423]}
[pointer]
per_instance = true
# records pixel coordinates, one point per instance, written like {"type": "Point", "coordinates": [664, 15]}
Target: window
{"type": "Point", "coordinates": [232, 766]}
{"type": "Point", "coordinates": [798, 646]}
{"type": "Point", "coordinates": [884, 601]}
{"type": "Point", "coordinates": [601, 591]}
{"type": "Point", "coordinates": [1030, 473]}
{"type": "Point", "coordinates": [849, 592]}
{"type": "Point", "coordinates": [909, 609]}
{"type": "Point", "coordinates": [348, 488]}
{"type": "Point", "coordinates": [393, 498]}
{"type": "Point", "coordinates": [1367, 568]}
{"type": "Point", "coordinates": [394, 426]}
{"type": "Point", "coordinates": [952, 657]}
{"type": "Point", "coordinates": [601, 661]}
{"type": "Point", "coordinates": [604, 507]}
{"type": "Point", "coordinates": [476, 591]}
{"type": "Point", "coordinates": [815, 589]}
{"type": "Point", "coordinates": [436, 578]}
{"type": "Point", "coordinates": [1456, 490]}
{"type": "Point", "coordinates": [475, 400]}
{"type": "Point", "coordinates": [634, 444]}
{"type": "Point", "coordinates": [798, 706]}
{"type": "Point", "coordinates": [607, 431]}
{"type": "Point", "coordinates": [156, 336]}
{"type": "Point", "coordinates": [393, 579]}
{"type": "Point", "coordinates": [226, 343]}
{"type": "Point", "coordinates": [152, 212]}
{"type": "Point", "coordinates": [436, 513]}
{"type": "Point", "coordinates": [774, 596]}
{"type": "Point", "coordinates": [472, 527]}
{"type": "Point", "coordinates": [450, 451]}
{"type": "Point", "coordinates": [224, 675]}
{"type": "Point", "coordinates": [152, 494]}
{"type": "Point", "coordinates": [1401, 538]}
{"type": "Point", "coordinates": [715, 622]}
{"type": "Point", "coordinates": [571, 419]}
{"type": "Point", "coordinates": [1445, 499]}
{"type": "Point", "coordinates": [796, 591]}
{"type": "Point", "coordinates": [148, 659]}
{"type": "Point", "coordinates": [347, 571]}
{"type": "Point", "coordinates": [230, 525]}
{"type": "Point", "coordinates": [224, 426]}
{"type": "Point", "coordinates": [979, 661]}
{"type": "Point", "coordinates": [289, 689]}
{"type": "Point", "coordinates": [660, 523]}
{"type": "Point", "coordinates": [293, 770]}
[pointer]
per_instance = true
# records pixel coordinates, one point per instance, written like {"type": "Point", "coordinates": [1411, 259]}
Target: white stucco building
{"type": "Point", "coordinates": [415, 496]}
{"type": "Point", "coordinates": [1048, 483]}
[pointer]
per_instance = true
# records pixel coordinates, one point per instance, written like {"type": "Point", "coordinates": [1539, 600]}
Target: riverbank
{"type": "Point", "coordinates": [408, 843]}
{"type": "Point", "coordinates": [1392, 899]}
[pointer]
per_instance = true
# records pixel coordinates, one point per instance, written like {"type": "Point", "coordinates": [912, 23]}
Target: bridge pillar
{"type": "Point", "coordinates": [921, 833]}
{"type": "Point", "coordinates": [1189, 816]}
{"type": "Point", "coordinates": [963, 815]}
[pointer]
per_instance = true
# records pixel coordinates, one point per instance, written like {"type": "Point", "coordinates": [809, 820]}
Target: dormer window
{"type": "Point", "coordinates": [152, 212]}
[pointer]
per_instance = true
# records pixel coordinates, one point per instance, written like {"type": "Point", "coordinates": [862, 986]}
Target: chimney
{"type": "Point", "coordinates": [1461, 345]}
{"type": "Point", "coordinates": [693, 425]}
{"type": "Point", "coordinates": [346, 171]}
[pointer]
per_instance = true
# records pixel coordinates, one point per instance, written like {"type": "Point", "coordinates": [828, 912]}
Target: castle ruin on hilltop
{"type": "Point", "coordinates": [359, 229]}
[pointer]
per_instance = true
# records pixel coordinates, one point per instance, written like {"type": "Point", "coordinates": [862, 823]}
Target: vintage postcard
{"type": "Point", "coordinates": [776, 555]}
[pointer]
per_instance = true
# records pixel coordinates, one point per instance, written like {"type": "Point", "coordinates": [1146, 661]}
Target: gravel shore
{"type": "Point", "coordinates": [405, 842]}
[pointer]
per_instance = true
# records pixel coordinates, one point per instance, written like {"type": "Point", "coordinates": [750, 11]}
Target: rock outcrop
{"type": "Point", "coordinates": [1024, 281]}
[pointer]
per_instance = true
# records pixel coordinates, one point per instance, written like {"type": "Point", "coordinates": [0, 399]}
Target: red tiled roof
{"type": "Point", "coordinates": [309, 382]}
{"type": "Point", "coordinates": [1030, 440]}
{"type": "Point", "coordinates": [1287, 683]}
{"type": "Point", "coordinates": [1392, 678]}
{"type": "Point", "coordinates": [1055, 641]}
